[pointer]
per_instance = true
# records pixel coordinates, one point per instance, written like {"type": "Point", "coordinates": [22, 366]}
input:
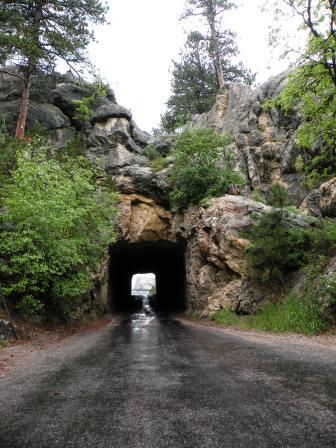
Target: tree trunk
{"type": "Point", "coordinates": [21, 122]}
{"type": "Point", "coordinates": [214, 47]}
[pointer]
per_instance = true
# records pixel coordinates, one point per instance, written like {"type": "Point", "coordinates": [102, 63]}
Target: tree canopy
{"type": "Point", "coordinates": [34, 34]}
{"type": "Point", "coordinates": [55, 226]}
{"type": "Point", "coordinates": [312, 86]}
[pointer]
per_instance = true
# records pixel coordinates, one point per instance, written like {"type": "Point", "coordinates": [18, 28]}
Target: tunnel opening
{"type": "Point", "coordinates": [164, 260]}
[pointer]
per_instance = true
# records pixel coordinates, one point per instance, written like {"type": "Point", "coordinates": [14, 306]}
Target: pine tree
{"type": "Point", "coordinates": [212, 11]}
{"type": "Point", "coordinates": [205, 66]}
{"type": "Point", "coordinates": [34, 34]}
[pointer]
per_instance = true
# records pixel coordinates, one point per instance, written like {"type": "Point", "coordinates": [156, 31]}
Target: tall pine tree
{"type": "Point", "coordinates": [212, 12]}
{"type": "Point", "coordinates": [195, 80]}
{"type": "Point", "coordinates": [34, 34]}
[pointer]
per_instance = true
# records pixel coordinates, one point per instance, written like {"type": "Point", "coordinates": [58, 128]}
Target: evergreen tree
{"type": "Point", "coordinates": [206, 64]}
{"type": "Point", "coordinates": [276, 245]}
{"type": "Point", "coordinates": [34, 34]}
{"type": "Point", "coordinates": [212, 11]}
{"type": "Point", "coordinates": [194, 85]}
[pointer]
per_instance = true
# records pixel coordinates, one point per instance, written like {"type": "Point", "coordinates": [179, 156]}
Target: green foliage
{"type": "Point", "coordinates": [150, 152]}
{"type": "Point", "coordinates": [331, 290]}
{"type": "Point", "coordinates": [38, 33]}
{"type": "Point", "coordinates": [278, 196]}
{"type": "Point", "coordinates": [323, 238]}
{"type": "Point", "coordinates": [158, 164]}
{"type": "Point", "coordinates": [84, 108]}
{"type": "Point", "coordinates": [258, 196]}
{"type": "Point", "coordinates": [56, 225]}
{"type": "Point", "coordinates": [197, 174]}
{"type": "Point", "coordinates": [225, 317]}
{"type": "Point", "coordinates": [276, 247]}
{"type": "Point", "coordinates": [8, 148]}
{"type": "Point", "coordinates": [276, 244]}
{"type": "Point", "coordinates": [294, 314]}
{"type": "Point", "coordinates": [312, 89]}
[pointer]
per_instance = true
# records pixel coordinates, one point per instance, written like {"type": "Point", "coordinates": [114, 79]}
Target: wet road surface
{"type": "Point", "coordinates": [154, 382]}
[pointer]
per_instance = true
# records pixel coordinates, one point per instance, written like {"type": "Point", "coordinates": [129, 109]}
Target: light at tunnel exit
{"type": "Point", "coordinates": [143, 284]}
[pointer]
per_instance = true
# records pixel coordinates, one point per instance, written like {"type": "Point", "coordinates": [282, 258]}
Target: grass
{"type": "Point", "coordinates": [3, 342]}
{"type": "Point", "coordinates": [293, 315]}
{"type": "Point", "coordinates": [225, 317]}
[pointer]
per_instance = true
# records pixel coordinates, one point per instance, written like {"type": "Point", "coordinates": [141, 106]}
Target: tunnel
{"type": "Point", "coordinates": [164, 259]}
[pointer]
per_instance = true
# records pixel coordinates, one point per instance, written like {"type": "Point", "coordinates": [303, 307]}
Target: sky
{"type": "Point", "coordinates": [133, 52]}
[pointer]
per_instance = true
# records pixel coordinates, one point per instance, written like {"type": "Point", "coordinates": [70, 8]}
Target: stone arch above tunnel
{"type": "Point", "coordinates": [142, 219]}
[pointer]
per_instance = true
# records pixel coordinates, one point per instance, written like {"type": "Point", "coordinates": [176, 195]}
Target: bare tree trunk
{"type": "Point", "coordinates": [22, 118]}
{"type": "Point", "coordinates": [214, 47]}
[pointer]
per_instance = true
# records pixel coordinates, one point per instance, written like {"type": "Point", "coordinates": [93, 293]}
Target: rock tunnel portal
{"type": "Point", "coordinates": [164, 259]}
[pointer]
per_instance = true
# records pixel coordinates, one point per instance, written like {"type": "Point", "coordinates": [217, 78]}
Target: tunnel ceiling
{"type": "Point", "coordinates": [165, 259]}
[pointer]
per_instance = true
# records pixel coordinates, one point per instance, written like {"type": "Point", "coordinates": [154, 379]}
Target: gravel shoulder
{"type": "Point", "coordinates": [37, 343]}
{"type": "Point", "coordinates": [325, 340]}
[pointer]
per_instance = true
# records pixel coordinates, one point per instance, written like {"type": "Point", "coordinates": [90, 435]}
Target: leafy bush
{"type": "Point", "coordinates": [8, 148]}
{"type": "Point", "coordinates": [158, 164]}
{"type": "Point", "coordinates": [197, 174]}
{"type": "Point", "coordinates": [294, 314]}
{"type": "Point", "coordinates": [84, 106]}
{"type": "Point", "coordinates": [56, 226]}
{"type": "Point", "coordinates": [151, 152]}
{"type": "Point", "coordinates": [323, 238]}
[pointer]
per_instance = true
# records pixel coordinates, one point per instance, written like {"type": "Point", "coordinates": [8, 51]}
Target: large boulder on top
{"type": "Point", "coordinates": [110, 110]}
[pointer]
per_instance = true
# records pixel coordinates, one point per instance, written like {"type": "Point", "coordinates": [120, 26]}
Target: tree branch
{"type": "Point", "coordinates": [5, 72]}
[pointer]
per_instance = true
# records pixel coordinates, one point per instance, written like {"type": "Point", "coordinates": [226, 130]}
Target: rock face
{"type": "Point", "coordinates": [321, 202]}
{"type": "Point", "coordinates": [6, 330]}
{"type": "Point", "coordinates": [264, 142]}
{"type": "Point", "coordinates": [142, 219]}
{"type": "Point", "coordinates": [216, 275]}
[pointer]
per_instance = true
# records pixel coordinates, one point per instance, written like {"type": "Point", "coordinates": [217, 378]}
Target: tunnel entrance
{"type": "Point", "coordinates": [163, 259]}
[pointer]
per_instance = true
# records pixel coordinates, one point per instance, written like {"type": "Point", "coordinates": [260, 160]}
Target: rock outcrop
{"type": "Point", "coordinates": [264, 141]}
{"type": "Point", "coordinates": [142, 219]}
{"type": "Point", "coordinates": [216, 272]}
{"type": "Point", "coordinates": [7, 331]}
{"type": "Point", "coordinates": [264, 144]}
{"type": "Point", "coordinates": [321, 202]}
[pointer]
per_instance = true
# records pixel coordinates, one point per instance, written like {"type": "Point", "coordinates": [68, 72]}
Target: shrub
{"type": "Point", "coordinates": [57, 225]}
{"type": "Point", "coordinates": [151, 152]}
{"type": "Point", "coordinates": [8, 148]}
{"type": "Point", "coordinates": [197, 174]}
{"type": "Point", "coordinates": [276, 244]}
{"type": "Point", "coordinates": [158, 164]}
{"type": "Point", "coordinates": [294, 314]}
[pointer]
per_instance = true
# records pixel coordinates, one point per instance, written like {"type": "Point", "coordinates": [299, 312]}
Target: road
{"type": "Point", "coordinates": [154, 382]}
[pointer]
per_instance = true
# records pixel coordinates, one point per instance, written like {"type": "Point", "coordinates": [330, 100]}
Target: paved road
{"type": "Point", "coordinates": [156, 382]}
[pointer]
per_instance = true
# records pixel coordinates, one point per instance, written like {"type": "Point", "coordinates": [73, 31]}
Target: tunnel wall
{"type": "Point", "coordinates": [163, 258]}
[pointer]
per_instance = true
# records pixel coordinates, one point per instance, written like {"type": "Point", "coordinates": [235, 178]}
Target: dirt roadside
{"type": "Point", "coordinates": [327, 339]}
{"type": "Point", "coordinates": [35, 340]}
